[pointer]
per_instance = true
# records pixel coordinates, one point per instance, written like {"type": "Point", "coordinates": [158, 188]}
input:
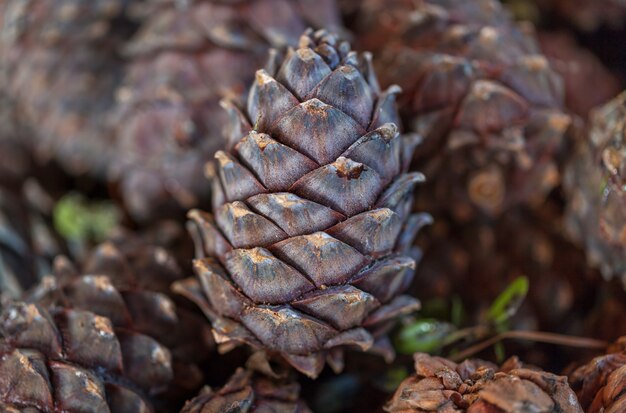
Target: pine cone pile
{"type": "Point", "coordinates": [474, 386]}
{"type": "Point", "coordinates": [206, 203]}
{"type": "Point", "coordinates": [477, 88]}
{"type": "Point", "coordinates": [596, 185]}
{"type": "Point", "coordinates": [185, 57]}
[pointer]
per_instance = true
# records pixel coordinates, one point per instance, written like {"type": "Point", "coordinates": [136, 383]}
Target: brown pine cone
{"type": "Point", "coordinates": [61, 68]}
{"type": "Point", "coordinates": [601, 384]}
{"type": "Point", "coordinates": [186, 56]}
{"type": "Point", "coordinates": [477, 88]}
{"type": "Point", "coordinates": [124, 286]}
{"type": "Point", "coordinates": [596, 189]}
{"type": "Point", "coordinates": [75, 361]}
{"type": "Point", "coordinates": [588, 83]}
{"type": "Point", "coordinates": [249, 392]}
{"type": "Point", "coordinates": [310, 244]}
{"type": "Point", "coordinates": [476, 386]}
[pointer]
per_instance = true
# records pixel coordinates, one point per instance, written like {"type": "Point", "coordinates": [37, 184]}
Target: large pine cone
{"type": "Point", "coordinates": [479, 91]}
{"type": "Point", "coordinates": [476, 386]}
{"type": "Point", "coordinates": [596, 188]}
{"type": "Point", "coordinates": [308, 246]}
{"type": "Point", "coordinates": [249, 392]}
{"type": "Point", "coordinates": [61, 70]}
{"type": "Point", "coordinates": [186, 56]}
{"type": "Point", "coordinates": [111, 337]}
{"type": "Point", "coordinates": [600, 384]}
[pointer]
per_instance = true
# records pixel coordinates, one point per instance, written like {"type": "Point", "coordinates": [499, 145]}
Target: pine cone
{"type": "Point", "coordinates": [479, 91]}
{"type": "Point", "coordinates": [596, 188]}
{"type": "Point", "coordinates": [249, 392]}
{"type": "Point", "coordinates": [308, 243]}
{"type": "Point", "coordinates": [60, 69]}
{"type": "Point", "coordinates": [185, 58]}
{"type": "Point", "coordinates": [73, 360]}
{"type": "Point", "coordinates": [476, 386]}
{"type": "Point", "coordinates": [588, 83]}
{"type": "Point", "coordinates": [600, 383]}
{"type": "Point", "coordinates": [117, 324]}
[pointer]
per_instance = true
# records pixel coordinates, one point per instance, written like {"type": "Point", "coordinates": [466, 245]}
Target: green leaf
{"type": "Point", "coordinates": [509, 301]}
{"type": "Point", "coordinates": [426, 336]}
{"type": "Point", "coordinates": [77, 219]}
{"type": "Point", "coordinates": [69, 216]}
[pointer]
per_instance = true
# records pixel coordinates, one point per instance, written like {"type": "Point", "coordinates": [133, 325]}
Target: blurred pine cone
{"type": "Point", "coordinates": [310, 243]}
{"type": "Point", "coordinates": [600, 384]}
{"type": "Point", "coordinates": [477, 261]}
{"type": "Point", "coordinates": [111, 339]}
{"type": "Point", "coordinates": [61, 68]}
{"type": "Point", "coordinates": [249, 392]}
{"type": "Point", "coordinates": [477, 88]}
{"type": "Point", "coordinates": [596, 188]}
{"type": "Point", "coordinates": [588, 83]}
{"type": "Point", "coordinates": [186, 56]}
{"type": "Point", "coordinates": [28, 242]}
{"type": "Point", "coordinates": [476, 386]}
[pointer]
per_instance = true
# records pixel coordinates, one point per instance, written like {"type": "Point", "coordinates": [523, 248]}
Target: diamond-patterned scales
{"type": "Point", "coordinates": [314, 207]}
